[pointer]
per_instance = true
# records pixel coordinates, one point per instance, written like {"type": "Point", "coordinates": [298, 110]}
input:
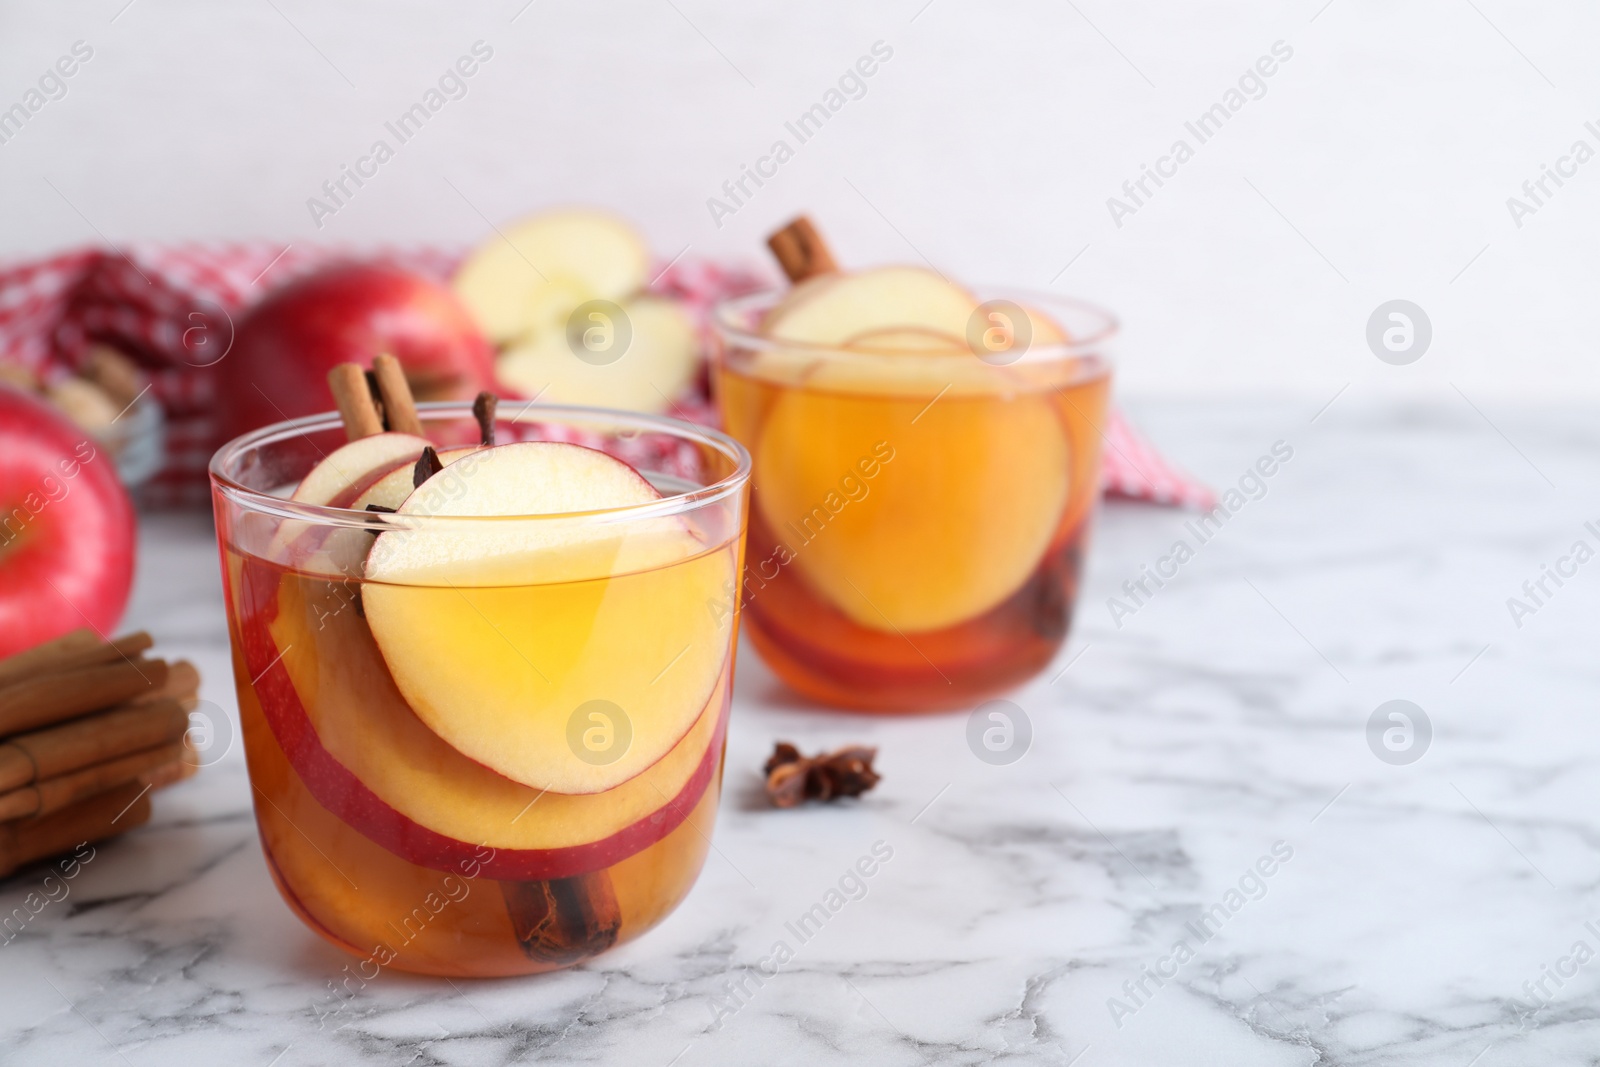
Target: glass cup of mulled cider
{"type": "Point", "coordinates": [925, 469]}
{"type": "Point", "coordinates": [484, 687]}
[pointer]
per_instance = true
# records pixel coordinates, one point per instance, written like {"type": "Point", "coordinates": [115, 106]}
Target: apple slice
{"type": "Point", "coordinates": [1046, 330]}
{"type": "Point", "coordinates": [498, 634]}
{"type": "Point", "coordinates": [327, 696]}
{"type": "Point", "coordinates": [658, 363]}
{"type": "Point", "coordinates": [391, 487]}
{"type": "Point", "coordinates": [915, 340]}
{"type": "Point", "coordinates": [335, 480]}
{"type": "Point", "coordinates": [530, 277]}
{"type": "Point", "coordinates": [349, 464]}
{"type": "Point", "coordinates": [956, 519]}
{"type": "Point", "coordinates": [342, 550]}
{"type": "Point", "coordinates": [884, 298]}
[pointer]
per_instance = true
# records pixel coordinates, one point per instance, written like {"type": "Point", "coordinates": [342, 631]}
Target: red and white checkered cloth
{"type": "Point", "coordinates": [145, 298]}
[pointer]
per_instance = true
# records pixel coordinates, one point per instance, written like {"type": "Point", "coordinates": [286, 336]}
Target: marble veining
{"type": "Point", "coordinates": [1438, 912]}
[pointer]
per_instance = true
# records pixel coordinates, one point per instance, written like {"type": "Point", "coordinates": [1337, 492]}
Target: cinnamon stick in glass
{"type": "Point", "coordinates": [399, 409]}
{"type": "Point", "coordinates": [801, 251]}
{"type": "Point", "coordinates": [348, 382]}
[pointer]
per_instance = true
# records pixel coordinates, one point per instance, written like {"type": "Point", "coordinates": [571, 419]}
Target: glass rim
{"type": "Point", "coordinates": [1107, 326]}
{"type": "Point", "coordinates": [564, 414]}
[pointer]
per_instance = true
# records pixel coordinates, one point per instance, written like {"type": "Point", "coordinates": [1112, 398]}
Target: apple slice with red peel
{"type": "Point", "coordinates": [342, 550]}
{"type": "Point", "coordinates": [530, 276]}
{"type": "Point", "coordinates": [658, 363]}
{"type": "Point", "coordinates": [327, 696]}
{"type": "Point", "coordinates": [500, 633]}
{"type": "Point", "coordinates": [884, 298]}
{"type": "Point", "coordinates": [336, 480]}
{"type": "Point", "coordinates": [353, 463]}
{"type": "Point", "coordinates": [389, 489]}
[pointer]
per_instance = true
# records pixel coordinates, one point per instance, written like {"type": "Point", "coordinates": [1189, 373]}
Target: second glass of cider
{"type": "Point", "coordinates": [920, 502]}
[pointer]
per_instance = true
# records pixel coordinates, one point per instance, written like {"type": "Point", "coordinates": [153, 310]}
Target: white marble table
{"type": "Point", "coordinates": [1223, 721]}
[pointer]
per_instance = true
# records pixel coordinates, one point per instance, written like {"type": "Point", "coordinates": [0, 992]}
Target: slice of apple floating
{"type": "Point", "coordinates": [841, 307]}
{"type": "Point", "coordinates": [356, 465]}
{"type": "Point", "coordinates": [530, 276]}
{"type": "Point", "coordinates": [955, 522]}
{"type": "Point", "coordinates": [499, 631]}
{"type": "Point", "coordinates": [659, 353]}
{"type": "Point", "coordinates": [354, 741]}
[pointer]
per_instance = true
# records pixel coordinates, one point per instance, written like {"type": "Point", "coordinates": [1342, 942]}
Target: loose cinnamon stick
{"type": "Point", "coordinates": [93, 739]}
{"type": "Point", "coordinates": [399, 409]}
{"type": "Point", "coordinates": [114, 812]}
{"type": "Point", "coordinates": [80, 648]}
{"type": "Point", "coordinates": [801, 251]}
{"type": "Point", "coordinates": [50, 698]}
{"type": "Point", "coordinates": [52, 794]}
{"type": "Point", "coordinates": [359, 414]}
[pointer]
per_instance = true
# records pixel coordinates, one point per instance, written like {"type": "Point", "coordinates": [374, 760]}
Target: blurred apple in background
{"type": "Point", "coordinates": [563, 295]}
{"type": "Point", "coordinates": [285, 345]}
{"type": "Point", "coordinates": [67, 530]}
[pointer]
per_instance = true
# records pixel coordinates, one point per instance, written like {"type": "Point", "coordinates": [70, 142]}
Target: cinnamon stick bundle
{"type": "Point", "coordinates": [58, 695]}
{"type": "Point", "coordinates": [87, 728]}
{"type": "Point", "coordinates": [72, 651]}
{"type": "Point", "coordinates": [113, 812]}
{"type": "Point", "coordinates": [54, 794]}
{"type": "Point", "coordinates": [72, 746]}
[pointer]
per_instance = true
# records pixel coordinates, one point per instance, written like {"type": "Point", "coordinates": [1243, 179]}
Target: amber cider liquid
{"type": "Point", "coordinates": [914, 544]}
{"type": "Point", "coordinates": [413, 903]}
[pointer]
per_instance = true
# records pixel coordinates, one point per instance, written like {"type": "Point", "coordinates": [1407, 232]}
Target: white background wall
{"type": "Point", "coordinates": [989, 143]}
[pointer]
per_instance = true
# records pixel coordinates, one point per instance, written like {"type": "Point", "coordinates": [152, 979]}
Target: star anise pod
{"type": "Point", "coordinates": [793, 778]}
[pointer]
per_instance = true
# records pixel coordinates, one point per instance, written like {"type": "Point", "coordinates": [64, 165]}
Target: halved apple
{"type": "Point", "coordinates": [658, 364]}
{"type": "Point", "coordinates": [885, 298]}
{"type": "Point", "coordinates": [529, 277]}
{"type": "Point", "coordinates": [326, 694]}
{"type": "Point", "coordinates": [498, 633]}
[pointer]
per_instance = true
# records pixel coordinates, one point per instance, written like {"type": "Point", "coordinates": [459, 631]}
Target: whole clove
{"type": "Point", "coordinates": [427, 466]}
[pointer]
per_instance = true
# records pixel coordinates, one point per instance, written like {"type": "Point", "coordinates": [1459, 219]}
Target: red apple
{"type": "Point", "coordinates": [347, 313]}
{"type": "Point", "coordinates": [67, 528]}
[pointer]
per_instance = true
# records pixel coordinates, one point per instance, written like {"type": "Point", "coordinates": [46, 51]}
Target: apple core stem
{"type": "Point", "coordinates": [483, 410]}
